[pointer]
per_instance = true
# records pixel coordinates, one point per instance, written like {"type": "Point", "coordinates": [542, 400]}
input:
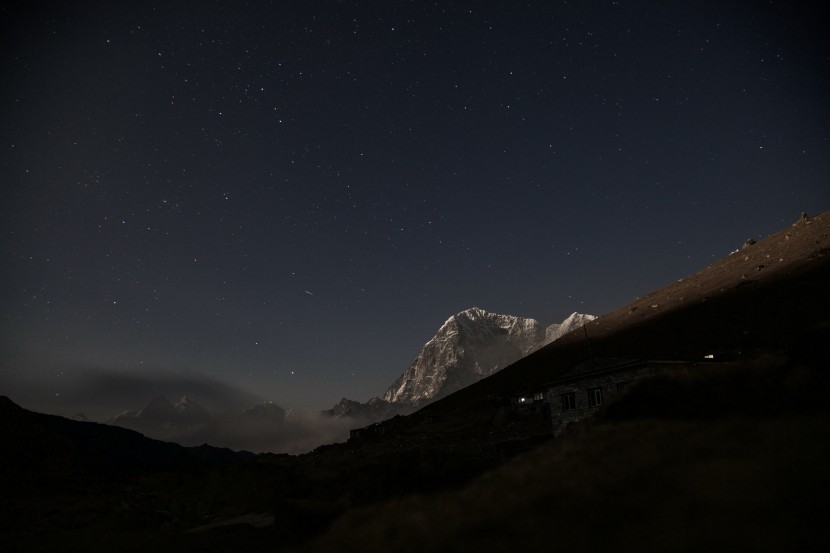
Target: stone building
{"type": "Point", "coordinates": [529, 404]}
{"type": "Point", "coordinates": [582, 390]}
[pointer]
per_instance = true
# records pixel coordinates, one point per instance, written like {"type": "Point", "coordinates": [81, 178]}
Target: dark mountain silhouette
{"type": "Point", "coordinates": [52, 449]}
{"type": "Point", "coordinates": [710, 455]}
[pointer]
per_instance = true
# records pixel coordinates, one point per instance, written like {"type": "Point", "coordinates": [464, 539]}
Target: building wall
{"type": "Point", "coordinates": [580, 388]}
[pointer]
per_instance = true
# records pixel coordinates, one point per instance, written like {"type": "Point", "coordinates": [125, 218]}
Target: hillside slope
{"type": "Point", "coordinates": [771, 296]}
{"type": "Point", "coordinates": [713, 456]}
{"type": "Point", "coordinates": [689, 473]}
{"type": "Point", "coordinates": [718, 457]}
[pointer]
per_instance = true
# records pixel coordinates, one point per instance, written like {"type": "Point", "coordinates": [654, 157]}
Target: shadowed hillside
{"type": "Point", "coordinates": [708, 455]}
{"type": "Point", "coordinates": [725, 458]}
{"type": "Point", "coordinates": [770, 296]}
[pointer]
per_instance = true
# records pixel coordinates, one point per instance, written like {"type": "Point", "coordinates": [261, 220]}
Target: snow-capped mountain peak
{"type": "Point", "coordinates": [572, 322]}
{"type": "Point", "coordinates": [469, 346]}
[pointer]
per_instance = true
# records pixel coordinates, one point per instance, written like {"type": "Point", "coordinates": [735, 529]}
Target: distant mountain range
{"type": "Point", "coordinates": [687, 448]}
{"type": "Point", "coordinates": [469, 346]}
{"type": "Point", "coordinates": [188, 422]}
{"type": "Point", "coordinates": [161, 413]}
{"type": "Point", "coordinates": [49, 450]}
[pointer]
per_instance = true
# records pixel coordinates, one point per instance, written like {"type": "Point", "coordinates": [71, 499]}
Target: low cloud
{"type": "Point", "coordinates": [102, 395]}
{"type": "Point", "coordinates": [117, 392]}
{"type": "Point", "coordinates": [300, 432]}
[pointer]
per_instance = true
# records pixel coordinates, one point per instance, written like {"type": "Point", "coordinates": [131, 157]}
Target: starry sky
{"type": "Point", "coordinates": [286, 199]}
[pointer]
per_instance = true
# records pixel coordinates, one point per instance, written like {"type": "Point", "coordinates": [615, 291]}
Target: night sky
{"type": "Point", "coordinates": [287, 199]}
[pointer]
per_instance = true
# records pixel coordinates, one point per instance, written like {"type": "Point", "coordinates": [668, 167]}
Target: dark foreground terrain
{"type": "Point", "coordinates": [715, 459]}
{"type": "Point", "coordinates": [718, 456]}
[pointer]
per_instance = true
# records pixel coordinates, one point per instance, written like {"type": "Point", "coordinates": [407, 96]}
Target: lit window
{"type": "Point", "coordinates": [569, 401]}
{"type": "Point", "coordinates": [595, 397]}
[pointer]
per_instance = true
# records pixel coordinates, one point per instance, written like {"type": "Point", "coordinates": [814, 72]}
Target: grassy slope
{"type": "Point", "coordinates": [682, 464]}
{"type": "Point", "coordinates": [720, 458]}
{"type": "Point", "coordinates": [696, 472]}
{"type": "Point", "coordinates": [730, 305]}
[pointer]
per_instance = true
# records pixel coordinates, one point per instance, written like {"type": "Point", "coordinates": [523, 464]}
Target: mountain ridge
{"type": "Point", "coordinates": [471, 345]}
{"type": "Point", "coordinates": [468, 346]}
{"type": "Point", "coordinates": [704, 437]}
{"type": "Point", "coordinates": [724, 291]}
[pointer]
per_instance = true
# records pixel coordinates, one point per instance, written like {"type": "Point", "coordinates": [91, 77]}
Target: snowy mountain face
{"type": "Point", "coordinates": [574, 321]}
{"type": "Point", "coordinates": [470, 346]}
